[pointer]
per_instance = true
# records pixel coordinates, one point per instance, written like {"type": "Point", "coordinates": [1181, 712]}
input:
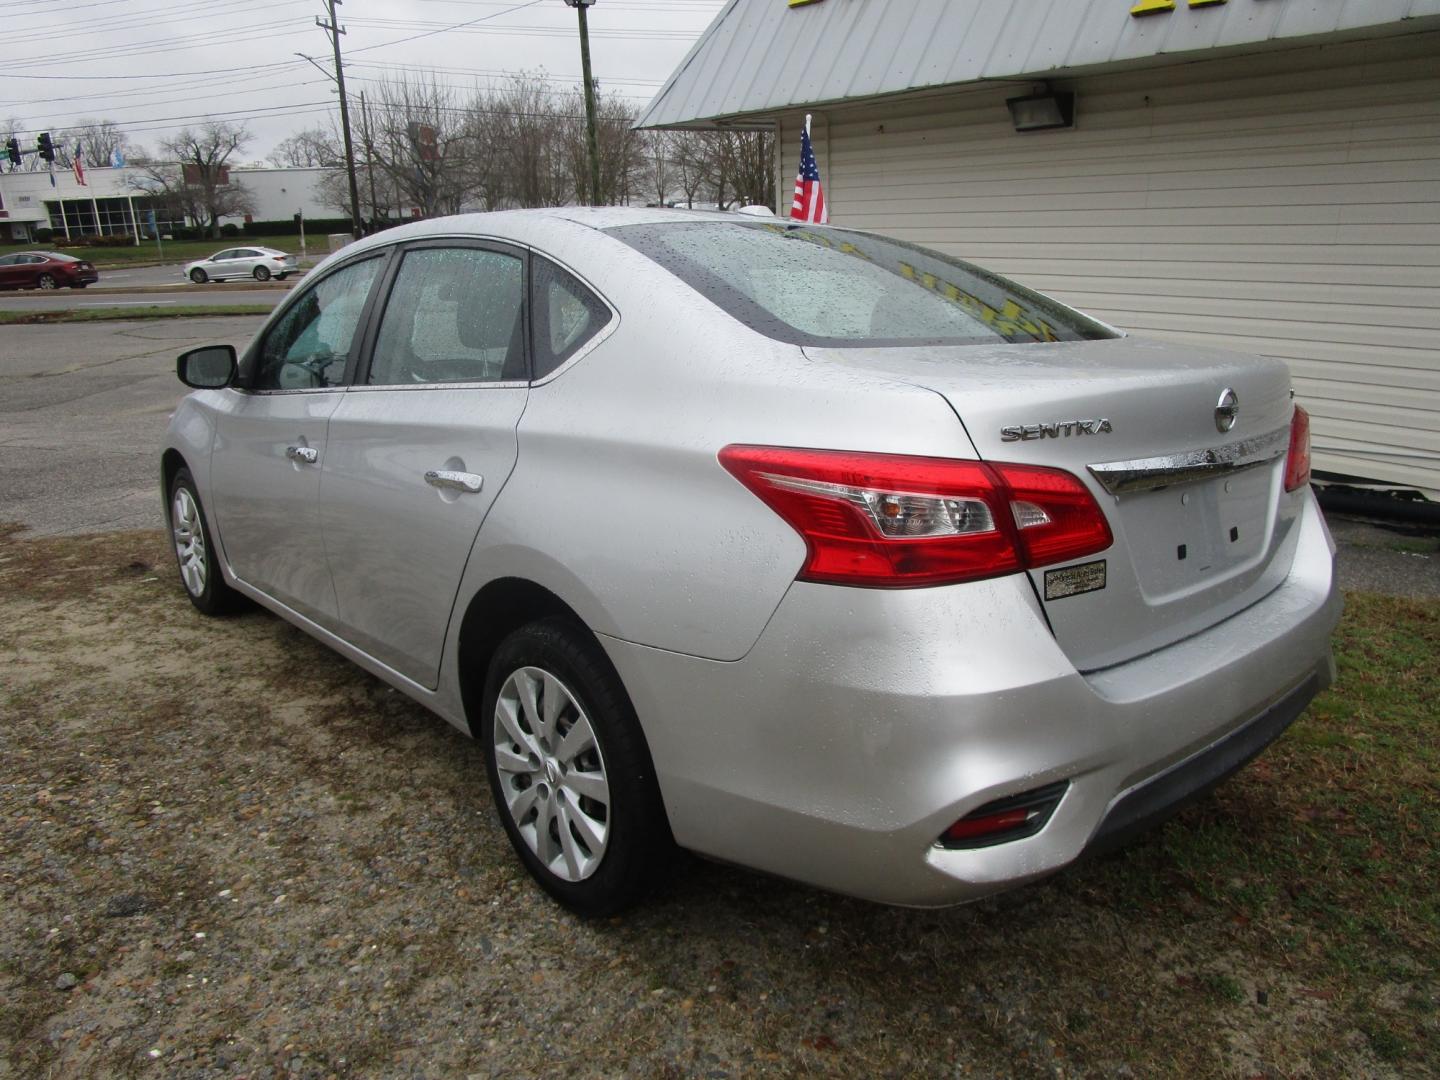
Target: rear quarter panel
{"type": "Point", "coordinates": [618, 503]}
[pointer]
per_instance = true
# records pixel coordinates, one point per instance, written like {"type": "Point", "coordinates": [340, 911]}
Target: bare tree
{"type": "Point", "coordinates": [423, 143]}
{"type": "Point", "coordinates": [521, 126]}
{"type": "Point", "coordinates": [658, 170]}
{"type": "Point", "coordinates": [746, 163]}
{"type": "Point", "coordinates": [692, 155]}
{"type": "Point", "coordinates": [96, 140]}
{"type": "Point", "coordinates": [194, 174]}
{"type": "Point", "coordinates": [618, 147]}
{"type": "Point", "coordinates": [315, 147]}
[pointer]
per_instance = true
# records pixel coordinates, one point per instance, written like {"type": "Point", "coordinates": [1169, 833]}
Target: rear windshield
{"type": "Point", "coordinates": [808, 285]}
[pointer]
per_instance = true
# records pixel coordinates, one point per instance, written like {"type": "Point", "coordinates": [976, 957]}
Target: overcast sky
{"type": "Point", "coordinates": [155, 66]}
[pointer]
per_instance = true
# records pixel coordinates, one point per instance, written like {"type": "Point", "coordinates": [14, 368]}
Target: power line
{"type": "Point", "coordinates": [456, 26]}
{"type": "Point", "coordinates": [136, 21]}
{"type": "Point", "coordinates": [227, 35]}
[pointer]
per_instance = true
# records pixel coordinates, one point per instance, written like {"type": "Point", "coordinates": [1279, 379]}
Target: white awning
{"type": "Point", "coordinates": [762, 56]}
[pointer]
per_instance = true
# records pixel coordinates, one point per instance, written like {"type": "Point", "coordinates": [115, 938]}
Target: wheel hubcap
{"type": "Point", "coordinates": [552, 773]}
{"type": "Point", "coordinates": [189, 542]}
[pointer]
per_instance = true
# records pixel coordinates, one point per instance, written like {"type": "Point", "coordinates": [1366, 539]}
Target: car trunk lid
{"type": "Point", "coordinates": [1201, 525]}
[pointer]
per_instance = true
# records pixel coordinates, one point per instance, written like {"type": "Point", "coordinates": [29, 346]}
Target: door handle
{"type": "Point", "coordinates": [465, 482]}
{"type": "Point", "coordinates": [307, 455]}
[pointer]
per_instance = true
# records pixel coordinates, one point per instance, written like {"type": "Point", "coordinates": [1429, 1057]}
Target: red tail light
{"type": "Point", "coordinates": [890, 521]}
{"type": "Point", "coordinates": [1297, 465]}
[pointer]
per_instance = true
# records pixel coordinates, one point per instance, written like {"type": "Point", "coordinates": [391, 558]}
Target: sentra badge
{"type": "Point", "coordinates": [1061, 429]}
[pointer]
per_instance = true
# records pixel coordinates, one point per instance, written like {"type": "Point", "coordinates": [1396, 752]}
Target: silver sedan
{"type": "Point", "coordinates": [260, 263]}
{"type": "Point", "coordinates": [797, 547]}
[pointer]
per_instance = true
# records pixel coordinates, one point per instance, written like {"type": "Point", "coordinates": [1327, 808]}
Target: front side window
{"type": "Point", "coordinates": [310, 345]}
{"type": "Point", "coordinates": [811, 285]}
{"type": "Point", "coordinates": [454, 315]}
{"type": "Point", "coordinates": [566, 315]}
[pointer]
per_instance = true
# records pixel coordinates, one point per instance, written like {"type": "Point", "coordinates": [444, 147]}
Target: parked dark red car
{"type": "Point", "coordinates": [45, 270]}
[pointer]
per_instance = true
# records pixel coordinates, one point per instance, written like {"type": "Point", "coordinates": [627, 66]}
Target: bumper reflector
{"type": "Point", "coordinates": [1011, 818]}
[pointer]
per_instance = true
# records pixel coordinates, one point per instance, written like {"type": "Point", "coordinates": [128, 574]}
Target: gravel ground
{"type": "Point", "coordinates": [228, 852]}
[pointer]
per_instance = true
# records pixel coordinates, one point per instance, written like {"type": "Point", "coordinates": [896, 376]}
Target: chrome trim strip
{"type": "Point", "coordinates": [1188, 466]}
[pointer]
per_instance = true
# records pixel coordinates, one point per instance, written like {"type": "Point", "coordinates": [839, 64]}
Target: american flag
{"type": "Point", "coordinates": [809, 204]}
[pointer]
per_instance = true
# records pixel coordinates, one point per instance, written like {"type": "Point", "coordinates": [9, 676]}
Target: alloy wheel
{"type": "Point", "coordinates": [552, 773]}
{"type": "Point", "coordinates": [47, 282]}
{"type": "Point", "coordinates": [189, 541]}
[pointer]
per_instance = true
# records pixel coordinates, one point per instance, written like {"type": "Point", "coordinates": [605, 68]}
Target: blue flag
{"type": "Point", "coordinates": [117, 158]}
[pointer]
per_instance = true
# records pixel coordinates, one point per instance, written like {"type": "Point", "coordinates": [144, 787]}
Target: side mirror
{"type": "Point", "coordinates": [208, 368]}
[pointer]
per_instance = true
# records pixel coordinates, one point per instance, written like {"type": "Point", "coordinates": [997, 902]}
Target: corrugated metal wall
{"type": "Point", "coordinates": [1285, 203]}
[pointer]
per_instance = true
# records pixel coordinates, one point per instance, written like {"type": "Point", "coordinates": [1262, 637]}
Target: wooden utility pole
{"type": "Point", "coordinates": [334, 29]}
{"type": "Point", "coordinates": [580, 6]}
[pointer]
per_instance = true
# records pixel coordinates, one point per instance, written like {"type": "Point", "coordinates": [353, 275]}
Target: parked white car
{"type": "Point", "coordinates": [261, 263]}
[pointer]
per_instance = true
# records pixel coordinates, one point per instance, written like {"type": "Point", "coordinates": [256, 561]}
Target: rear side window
{"type": "Point", "coordinates": [567, 315]}
{"type": "Point", "coordinates": [810, 285]}
{"type": "Point", "coordinates": [454, 315]}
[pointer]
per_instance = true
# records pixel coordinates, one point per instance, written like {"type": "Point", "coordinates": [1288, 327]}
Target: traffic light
{"type": "Point", "coordinates": [12, 150]}
{"type": "Point", "coordinates": [45, 148]}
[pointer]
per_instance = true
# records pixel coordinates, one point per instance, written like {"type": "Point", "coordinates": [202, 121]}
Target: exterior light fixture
{"type": "Point", "coordinates": [1047, 109]}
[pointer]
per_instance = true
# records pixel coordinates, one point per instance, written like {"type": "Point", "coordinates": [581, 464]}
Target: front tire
{"type": "Point", "coordinates": [195, 551]}
{"type": "Point", "coordinates": [262, 273]}
{"type": "Point", "coordinates": [47, 282]}
{"type": "Point", "coordinates": [198, 276]}
{"type": "Point", "coordinates": [570, 770]}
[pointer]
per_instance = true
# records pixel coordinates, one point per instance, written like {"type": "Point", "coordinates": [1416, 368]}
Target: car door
{"type": "Point", "coordinates": [421, 445]}
{"type": "Point", "coordinates": [226, 263]}
{"type": "Point", "coordinates": [271, 440]}
{"type": "Point", "coordinates": [9, 272]}
{"type": "Point", "coordinates": [245, 261]}
{"type": "Point", "coordinates": [29, 267]}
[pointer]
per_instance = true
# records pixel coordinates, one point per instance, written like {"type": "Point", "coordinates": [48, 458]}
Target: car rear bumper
{"type": "Point", "coordinates": [864, 722]}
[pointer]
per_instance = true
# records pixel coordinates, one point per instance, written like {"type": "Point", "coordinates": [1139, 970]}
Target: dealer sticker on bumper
{"type": "Point", "coordinates": [1073, 580]}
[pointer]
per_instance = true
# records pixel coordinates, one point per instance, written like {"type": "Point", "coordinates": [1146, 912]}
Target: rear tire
{"type": "Point", "coordinates": [262, 273]}
{"type": "Point", "coordinates": [570, 770]}
{"type": "Point", "coordinates": [195, 553]}
{"type": "Point", "coordinates": [198, 276]}
{"type": "Point", "coordinates": [46, 282]}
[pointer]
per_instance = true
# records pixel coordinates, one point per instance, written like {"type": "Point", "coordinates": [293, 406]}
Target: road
{"type": "Point", "coordinates": [209, 295]}
{"type": "Point", "coordinates": [83, 409]}
{"type": "Point", "coordinates": [163, 286]}
{"type": "Point", "coordinates": [172, 275]}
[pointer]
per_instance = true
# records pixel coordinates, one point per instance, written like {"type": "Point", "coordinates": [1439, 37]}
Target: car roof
{"type": "Point", "coordinates": [515, 222]}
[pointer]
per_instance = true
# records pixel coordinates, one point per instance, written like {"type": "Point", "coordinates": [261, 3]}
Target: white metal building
{"type": "Point", "coordinates": [1260, 174]}
{"type": "Point", "coordinates": [109, 202]}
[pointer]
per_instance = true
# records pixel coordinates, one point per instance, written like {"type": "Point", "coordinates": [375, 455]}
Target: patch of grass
{"type": "Point", "coordinates": [1223, 987]}
{"type": "Point", "coordinates": [1284, 926]}
{"type": "Point", "coordinates": [107, 314]}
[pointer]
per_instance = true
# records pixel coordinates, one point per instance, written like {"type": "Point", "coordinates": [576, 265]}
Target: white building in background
{"type": "Point", "coordinates": [109, 203]}
{"type": "Point", "coordinates": [1258, 174]}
